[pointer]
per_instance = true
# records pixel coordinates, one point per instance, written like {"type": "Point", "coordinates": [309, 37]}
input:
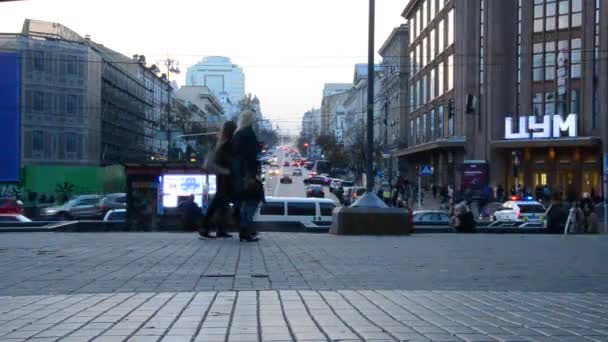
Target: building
{"type": "Point", "coordinates": [394, 100]}
{"type": "Point", "coordinates": [507, 92]}
{"type": "Point", "coordinates": [332, 109]}
{"type": "Point", "coordinates": [203, 98]}
{"type": "Point", "coordinates": [83, 103]}
{"type": "Point", "coordinates": [355, 105]}
{"type": "Point", "coordinates": [225, 79]}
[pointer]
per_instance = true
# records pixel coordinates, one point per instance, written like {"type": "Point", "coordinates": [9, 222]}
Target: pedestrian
{"type": "Point", "coordinates": [450, 192]}
{"type": "Point", "coordinates": [434, 189]}
{"type": "Point", "coordinates": [462, 218]}
{"type": "Point", "coordinates": [191, 213]}
{"type": "Point", "coordinates": [557, 215]}
{"type": "Point", "coordinates": [220, 163]}
{"type": "Point", "coordinates": [248, 187]}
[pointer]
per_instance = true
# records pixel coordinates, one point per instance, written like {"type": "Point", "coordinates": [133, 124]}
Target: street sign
{"type": "Point", "coordinates": [426, 170]}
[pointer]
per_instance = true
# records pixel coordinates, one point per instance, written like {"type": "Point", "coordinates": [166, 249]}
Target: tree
{"type": "Point", "coordinates": [246, 103]}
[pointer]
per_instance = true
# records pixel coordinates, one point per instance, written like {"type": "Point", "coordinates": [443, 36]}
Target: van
{"type": "Point", "coordinates": [312, 213]}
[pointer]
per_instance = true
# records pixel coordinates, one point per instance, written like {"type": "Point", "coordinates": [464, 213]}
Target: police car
{"type": "Point", "coordinates": [521, 211]}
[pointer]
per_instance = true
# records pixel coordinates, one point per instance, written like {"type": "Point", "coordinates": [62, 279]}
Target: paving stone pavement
{"type": "Point", "coordinates": [303, 287]}
{"type": "Point", "coordinates": [290, 315]}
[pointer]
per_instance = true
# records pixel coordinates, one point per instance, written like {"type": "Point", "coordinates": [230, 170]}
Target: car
{"type": "Point", "coordinates": [520, 212]}
{"type": "Point", "coordinates": [13, 218]}
{"type": "Point", "coordinates": [295, 163]}
{"type": "Point", "coordinates": [115, 215]}
{"type": "Point", "coordinates": [335, 184]}
{"type": "Point", "coordinates": [80, 207]}
{"type": "Point", "coordinates": [318, 180]}
{"type": "Point", "coordinates": [286, 179]}
{"type": "Point", "coordinates": [286, 164]}
{"type": "Point", "coordinates": [351, 194]}
{"type": "Point", "coordinates": [274, 170]}
{"type": "Point", "coordinates": [297, 172]}
{"type": "Point", "coordinates": [11, 206]}
{"type": "Point", "coordinates": [315, 191]}
{"type": "Point", "coordinates": [431, 218]}
{"type": "Point", "coordinates": [295, 210]}
{"type": "Point", "coordinates": [112, 201]}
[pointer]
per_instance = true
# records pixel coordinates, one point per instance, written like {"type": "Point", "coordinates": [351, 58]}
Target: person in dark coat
{"type": "Point", "coordinates": [191, 213]}
{"type": "Point", "coordinates": [557, 215]}
{"type": "Point", "coordinates": [249, 190]}
{"type": "Point", "coordinates": [220, 164]}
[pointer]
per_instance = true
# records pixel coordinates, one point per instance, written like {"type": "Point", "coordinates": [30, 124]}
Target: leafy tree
{"type": "Point", "coordinates": [64, 191]}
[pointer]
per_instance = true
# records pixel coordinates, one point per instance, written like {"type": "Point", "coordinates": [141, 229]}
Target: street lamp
{"type": "Point", "coordinates": [369, 199]}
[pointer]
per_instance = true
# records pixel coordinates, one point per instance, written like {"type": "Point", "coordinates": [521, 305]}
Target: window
{"type": "Point", "coordinates": [432, 45]}
{"type": "Point", "coordinates": [327, 209]}
{"type": "Point", "coordinates": [432, 125]}
{"type": "Point", "coordinates": [440, 118]}
{"type": "Point", "coordinates": [37, 141]}
{"type": "Point", "coordinates": [432, 85]}
{"type": "Point", "coordinates": [424, 90]}
{"type": "Point", "coordinates": [425, 54]}
{"type": "Point", "coordinates": [411, 137]}
{"type": "Point", "coordinates": [537, 104]}
{"type": "Point", "coordinates": [537, 62]}
{"type": "Point", "coordinates": [440, 79]}
{"type": "Point", "coordinates": [38, 101]}
{"type": "Point", "coordinates": [419, 22]}
{"type": "Point", "coordinates": [432, 9]}
{"type": "Point", "coordinates": [71, 104]}
{"type": "Point", "coordinates": [451, 130]}
{"type": "Point", "coordinates": [273, 208]}
{"type": "Point", "coordinates": [412, 63]}
{"type": "Point", "coordinates": [419, 55]}
{"type": "Point", "coordinates": [425, 14]}
{"type": "Point", "coordinates": [549, 103]}
{"type": "Point", "coordinates": [419, 86]}
{"type": "Point", "coordinates": [39, 61]}
{"type": "Point", "coordinates": [418, 130]}
{"type": "Point", "coordinates": [550, 61]}
{"type": "Point", "coordinates": [70, 143]}
{"type": "Point", "coordinates": [412, 99]}
{"type": "Point", "coordinates": [451, 27]}
{"type": "Point", "coordinates": [575, 58]}
{"type": "Point", "coordinates": [424, 128]}
{"type": "Point", "coordinates": [72, 65]}
{"type": "Point", "coordinates": [562, 22]}
{"type": "Point", "coordinates": [301, 209]}
{"type": "Point", "coordinates": [574, 101]}
{"type": "Point", "coordinates": [412, 29]}
{"type": "Point", "coordinates": [440, 37]}
{"type": "Point", "coordinates": [451, 72]}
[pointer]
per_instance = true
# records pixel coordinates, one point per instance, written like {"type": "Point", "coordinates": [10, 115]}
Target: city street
{"type": "Point", "coordinates": [305, 287]}
{"type": "Point", "coordinates": [274, 187]}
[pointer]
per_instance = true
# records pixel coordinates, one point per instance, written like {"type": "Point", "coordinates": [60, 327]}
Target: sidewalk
{"type": "Point", "coordinates": [302, 287]}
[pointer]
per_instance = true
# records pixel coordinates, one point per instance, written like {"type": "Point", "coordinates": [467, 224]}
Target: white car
{"type": "Point", "coordinates": [116, 215]}
{"type": "Point", "coordinates": [13, 218]}
{"type": "Point", "coordinates": [521, 211]}
{"type": "Point", "coordinates": [334, 184]}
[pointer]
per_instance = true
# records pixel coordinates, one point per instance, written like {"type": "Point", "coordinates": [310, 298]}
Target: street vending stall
{"type": "Point", "coordinates": [155, 191]}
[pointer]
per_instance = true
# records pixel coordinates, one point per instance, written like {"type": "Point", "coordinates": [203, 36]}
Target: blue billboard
{"type": "Point", "coordinates": [9, 117]}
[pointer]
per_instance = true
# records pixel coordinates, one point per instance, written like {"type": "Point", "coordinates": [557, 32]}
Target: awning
{"type": "Point", "coordinates": [545, 143]}
{"type": "Point", "coordinates": [450, 143]}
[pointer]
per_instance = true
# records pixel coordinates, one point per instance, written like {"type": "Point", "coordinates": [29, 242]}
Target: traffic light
{"type": "Point", "coordinates": [305, 144]}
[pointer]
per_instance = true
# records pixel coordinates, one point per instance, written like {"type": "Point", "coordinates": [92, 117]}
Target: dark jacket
{"type": "Point", "coordinates": [245, 164]}
{"type": "Point", "coordinates": [557, 215]}
{"type": "Point", "coordinates": [223, 159]}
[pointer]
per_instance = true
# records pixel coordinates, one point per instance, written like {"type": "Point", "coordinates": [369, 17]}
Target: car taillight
{"type": "Point", "coordinates": [518, 214]}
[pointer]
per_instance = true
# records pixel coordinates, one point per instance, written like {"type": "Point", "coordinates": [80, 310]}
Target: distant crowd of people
{"type": "Point", "coordinates": [234, 161]}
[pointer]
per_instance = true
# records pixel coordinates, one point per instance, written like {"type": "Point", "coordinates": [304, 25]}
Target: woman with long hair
{"type": "Point", "coordinates": [248, 187]}
{"type": "Point", "coordinates": [220, 163]}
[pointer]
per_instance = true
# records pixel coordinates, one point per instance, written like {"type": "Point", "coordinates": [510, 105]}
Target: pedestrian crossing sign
{"type": "Point", "coordinates": [426, 170]}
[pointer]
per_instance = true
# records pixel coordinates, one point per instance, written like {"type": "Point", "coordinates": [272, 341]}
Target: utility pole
{"type": "Point", "coordinates": [172, 67]}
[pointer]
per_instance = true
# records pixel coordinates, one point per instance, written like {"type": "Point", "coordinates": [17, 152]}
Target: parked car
{"type": "Point", "coordinates": [521, 212]}
{"type": "Point", "coordinates": [80, 207]}
{"type": "Point", "coordinates": [115, 215]}
{"type": "Point", "coordinates": [315, 191]}
{"type": "Point", "coordinates": [11, 206]}
{"type": "Point", "coordinates": [112, 201]}
{"type": "Point", "coordinates": [286, 164]}
{"type": "Point", "coordinates": [334, 184]}
{"type": "Point", "coordinates": [286, 179]}
{"type": "Point", "coordinates": [431, 218]}
{"type": "Point", "coordinates": [297, 172]}
{"type": "Point", "coordinates": [13, 218]}
{"type": "Point", "coordinates": [318, 180]}
{"type": "Point", "coordinates": [351, 194]}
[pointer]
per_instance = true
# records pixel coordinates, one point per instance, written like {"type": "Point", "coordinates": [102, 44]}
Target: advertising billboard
{"type": "Point", "coordinates": [475, 175]}
{"type": "Point", "coordinates": [176, 188]}
{"type": "Point", "coordinates": [9, 117]}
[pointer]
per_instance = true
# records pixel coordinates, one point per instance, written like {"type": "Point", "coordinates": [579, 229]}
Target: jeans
{"type": "Point", "coordinates": [220, 203]}
{"type": "Point", "coordinates": [247, 211]}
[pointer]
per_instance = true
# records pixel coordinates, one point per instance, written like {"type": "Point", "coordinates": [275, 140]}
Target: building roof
{"type": "Point", "coordinates": [401, 28]}
{"type": "Point", "coordinates": [409, 8]}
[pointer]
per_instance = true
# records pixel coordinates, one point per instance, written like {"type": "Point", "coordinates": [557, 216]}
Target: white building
{"type": "Point", "coordinates": [224, 79]}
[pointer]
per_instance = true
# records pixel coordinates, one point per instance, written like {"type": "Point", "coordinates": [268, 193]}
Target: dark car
{"type": "Point", "coordinates": [309, 165]}
{"type": "Point", "coordinates": [11, 206]}
{"type": "Point", "coordinates": [318, 180]}
{"type": "Point", "coordinates": [286, 179]}
{"type": "Point", "coordinates": [286, 164]}
{"type": "Point", "coordinates": [297, 172]}
{"type": "Point", "coordinates": [315, 191]}
{"type": "Point", "coordinates": [112, 201]}
{"type": "Point", "coordinates": [431, 218]}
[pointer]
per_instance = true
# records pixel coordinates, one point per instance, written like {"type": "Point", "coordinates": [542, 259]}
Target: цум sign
{"type": "Point", "coordinates": [552, 126]}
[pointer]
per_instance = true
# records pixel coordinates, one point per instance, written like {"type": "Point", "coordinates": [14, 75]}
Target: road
{"type": "Point", "coordinates": [274, 187]}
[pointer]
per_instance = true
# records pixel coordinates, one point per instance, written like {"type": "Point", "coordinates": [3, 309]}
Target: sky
{"type": "Point", "coordinates": [287, 48]}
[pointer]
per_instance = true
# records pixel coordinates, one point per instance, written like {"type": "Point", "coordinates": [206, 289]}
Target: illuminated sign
{"type": "Point", "coordinates": [551, 126]}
